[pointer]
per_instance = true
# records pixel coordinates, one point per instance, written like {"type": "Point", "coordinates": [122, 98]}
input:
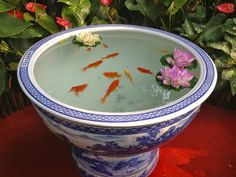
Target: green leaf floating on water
{"type": "Point", "coordinates": [163, 60]}
{"type": "Point", "coordinates": [193, 82]}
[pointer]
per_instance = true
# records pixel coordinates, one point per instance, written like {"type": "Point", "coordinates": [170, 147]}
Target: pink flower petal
{"type": "Point", "coordinates": [182, 58]}
{"type": "Point", "coordinates": [184, 83]}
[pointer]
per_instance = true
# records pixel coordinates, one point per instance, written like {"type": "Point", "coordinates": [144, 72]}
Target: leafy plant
{"type": "Point", "coordinates": [21, 30]}
{"type": "Point", "coordinates": [165, 14]}
{"type": "Point", "coordinates": [26, 22]}
{"type": "Point", "coordinates": [216, 34]}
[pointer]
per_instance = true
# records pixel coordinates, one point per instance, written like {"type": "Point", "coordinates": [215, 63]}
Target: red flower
{"type": "Point", "coordinates": [16, 13]}
{"type": "Point", "coordinates": [63, 22]}
{"type": "Point", "coordinates": [226, 8]}
{"type": "Point", "coordinates": [105, 2]}
{"type": "Point", "coordinates": [30, 6]}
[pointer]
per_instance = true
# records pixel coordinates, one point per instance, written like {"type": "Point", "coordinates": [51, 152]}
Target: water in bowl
{"type": "Point", "coordinates": [60, 67]}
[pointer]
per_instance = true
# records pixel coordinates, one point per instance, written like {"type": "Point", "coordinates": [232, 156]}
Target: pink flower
{"type": "Point", "coordinates": [63, 22]}
{"type": "Point", "coordinates": [226, 8]}
{"type": "Point", "coordinates": [16, 13]}
{"type": "Point", "coordinates": [30, 6]}
{"type": "Point", "coordinates": [176, 77]}
{"type": "Point", "coordinates": [181, 58]}
{"type": "Point", "coordinates": [165, 75]}
{"type": "Point", "coordinates": [105, 2]}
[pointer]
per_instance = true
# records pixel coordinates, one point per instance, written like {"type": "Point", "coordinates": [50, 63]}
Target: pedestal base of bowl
{"type": "Point", "coordinates": [92, 165]}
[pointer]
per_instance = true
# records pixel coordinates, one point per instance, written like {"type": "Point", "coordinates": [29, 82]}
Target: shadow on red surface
{"type": "Point", "coordinates": [206, 148]}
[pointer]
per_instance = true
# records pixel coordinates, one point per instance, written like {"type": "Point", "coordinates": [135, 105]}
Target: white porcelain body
{"type": "Point", "coordinates": [111, 151]}
{"type": "Point", "coordinates": [117, 144]}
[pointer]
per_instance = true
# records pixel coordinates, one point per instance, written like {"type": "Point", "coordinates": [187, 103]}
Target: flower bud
{"type": "Point", "coordinates": [105, 2]}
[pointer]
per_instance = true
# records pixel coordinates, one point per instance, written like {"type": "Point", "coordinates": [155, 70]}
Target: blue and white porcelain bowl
{"type": "Point", "coordinates": [120, 136]}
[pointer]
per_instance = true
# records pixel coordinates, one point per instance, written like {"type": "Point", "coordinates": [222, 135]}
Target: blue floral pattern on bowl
{"type": "Point", "coordinates": [123, 144]}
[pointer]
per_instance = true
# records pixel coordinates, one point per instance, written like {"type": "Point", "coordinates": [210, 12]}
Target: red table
{"type": "Point", "coordinates": [206, 148]}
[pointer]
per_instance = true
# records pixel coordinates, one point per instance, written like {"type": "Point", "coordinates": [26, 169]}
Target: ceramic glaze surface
{"type": "Point", "coordinates": [121, 137]}
{"type": "Point", "coordinates": [117, 141]}
{"type": "Point", "coordinates": [29, 77]}
{"type": "Point", "coordinates": [102, 152]}
{"type": "Point", "coordinates": [28, 70]}
{"type": "Point", "coordinates": [60, 67]}
{"type": "Point", "coordinates": [100, 166]}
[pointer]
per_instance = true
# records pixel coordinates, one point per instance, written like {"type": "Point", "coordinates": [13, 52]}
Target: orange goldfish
{"type": "Point", "coordinates": [128, 74]}
{"type": "Point", "coordinates": [110, 55]}
{"type": "Point", "coordinates": [89, 49]}
{"type": "Point", "coordinates": [92, 65]}
{"type": "Point", "coordinates": [144, 70]}
{"type": "Point", "coordinates": [105, 45]}
{"type": "Point", "coordinates": [78, 89]}
{"type": "Point", "coordinates": [112, 74]}
{"type": "Point", "coordinates": [110, 89]}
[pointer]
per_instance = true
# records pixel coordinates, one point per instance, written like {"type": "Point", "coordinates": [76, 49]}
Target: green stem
{"type": "Point", "coordinates": [108, 15]}
{"type": "Point", "coordinates": [163, 24]}
{"type": "Point", "coordinates": [170, 22]}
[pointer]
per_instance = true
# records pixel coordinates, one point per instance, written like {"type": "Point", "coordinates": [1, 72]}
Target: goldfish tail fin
{"type": "Point", "coordinates": [77, 93]}
{"type": "Point", "coordinates": [84, 69]}
{"type": "Point", "coordinates": [103, 100]}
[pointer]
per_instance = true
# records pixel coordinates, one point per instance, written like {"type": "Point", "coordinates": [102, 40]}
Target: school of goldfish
{"type": "Point", "coordinates": [78, 89]}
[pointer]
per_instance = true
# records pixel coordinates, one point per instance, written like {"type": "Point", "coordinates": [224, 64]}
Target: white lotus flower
{"type": "Point", "coordinates": [88, 39]}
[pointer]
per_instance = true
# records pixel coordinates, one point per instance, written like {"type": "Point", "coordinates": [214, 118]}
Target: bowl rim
{"type": "Point", "coordinates": [194, 98]}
